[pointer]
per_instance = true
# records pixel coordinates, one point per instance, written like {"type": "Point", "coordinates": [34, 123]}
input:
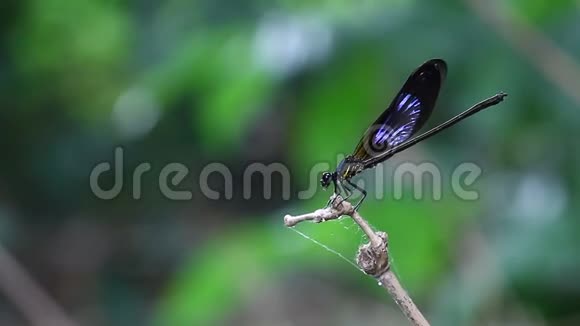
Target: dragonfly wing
{"type": "Point", "coordinates": [407, 113]}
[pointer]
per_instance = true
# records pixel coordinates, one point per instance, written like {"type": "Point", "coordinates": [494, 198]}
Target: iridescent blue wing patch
{"type": "Point", "coordinates": [407, 113]}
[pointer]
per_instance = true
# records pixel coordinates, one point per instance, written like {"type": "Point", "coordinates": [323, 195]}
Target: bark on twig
{"type": "Point", "coordinates": [372, 257]}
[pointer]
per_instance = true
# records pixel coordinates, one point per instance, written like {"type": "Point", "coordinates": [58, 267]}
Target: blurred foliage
{"type": "Point", "coordinates": [294, 82]}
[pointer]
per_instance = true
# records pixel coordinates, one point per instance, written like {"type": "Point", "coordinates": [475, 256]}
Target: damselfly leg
{"type": "Point", "coordinates": [339, 189]}
{"type": "Point", "coordinates": [362, 191]}
{"type": "Point", "coordinates": [347, 192]}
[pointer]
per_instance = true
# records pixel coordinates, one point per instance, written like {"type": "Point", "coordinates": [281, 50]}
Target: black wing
{"type": "Point", "coordinates": [406, 114]}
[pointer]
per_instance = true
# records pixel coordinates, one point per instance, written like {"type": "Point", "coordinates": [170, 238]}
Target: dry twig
{"type": "Point", "coordinates": [372, 257]}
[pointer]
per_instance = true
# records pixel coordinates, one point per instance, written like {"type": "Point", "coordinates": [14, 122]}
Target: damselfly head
{"type": "Point", "coordinates": [325, 180]}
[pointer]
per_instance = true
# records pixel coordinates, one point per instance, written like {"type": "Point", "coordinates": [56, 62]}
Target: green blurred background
{"type": "Point", "coordinates": [295, 82]}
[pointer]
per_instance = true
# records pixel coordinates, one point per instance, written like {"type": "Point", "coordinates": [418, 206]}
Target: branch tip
{"type": "Point", "coordinates": [372, 257]}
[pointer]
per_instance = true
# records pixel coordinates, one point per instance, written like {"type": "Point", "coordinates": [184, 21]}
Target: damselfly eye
{"type": "Point", "coordinates": [325, 180]}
